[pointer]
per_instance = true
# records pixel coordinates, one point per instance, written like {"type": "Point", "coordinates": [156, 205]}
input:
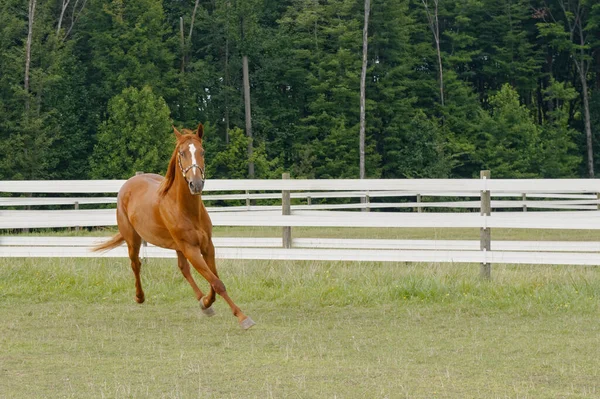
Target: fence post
{"type": "Point", "coordinates": [76, 208]}
{"type": "Point", "coordinates": [27, 207]}
{"type": "Point", "coordinates": [366, 200]}
{"type": "Point", "coordinates": [286, 209]}
{"type": "Point", "coordinates": [419, 209]}
{"type": "Point", "coordinates": [247, 200]}
{"type": "Point", "coordinates": [144, 243]}
{"type": "Point", "coordinates": [524, 198]}
{"type": "Point", "coordinates": [485, 233]}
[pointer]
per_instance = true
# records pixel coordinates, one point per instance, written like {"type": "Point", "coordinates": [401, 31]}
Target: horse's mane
{"type": "Point", "coordinates": [167, 182]}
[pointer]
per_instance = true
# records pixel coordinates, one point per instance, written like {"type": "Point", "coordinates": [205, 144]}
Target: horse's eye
{"type": "Point", "coordinates": [181, 153]}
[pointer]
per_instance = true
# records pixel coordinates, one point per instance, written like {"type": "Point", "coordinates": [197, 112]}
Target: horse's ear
{"type": "Point", "coordinates": [177, 134]}
{"type": "Point", "coordinates": [200, 131]}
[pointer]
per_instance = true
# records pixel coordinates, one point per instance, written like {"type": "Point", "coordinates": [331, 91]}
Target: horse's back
{"type": "Point", "coordinates": [139, 189]}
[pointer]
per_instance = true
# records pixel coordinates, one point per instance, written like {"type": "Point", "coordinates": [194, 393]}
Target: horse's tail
{"type": "Point", "coordinates": [110, 244]}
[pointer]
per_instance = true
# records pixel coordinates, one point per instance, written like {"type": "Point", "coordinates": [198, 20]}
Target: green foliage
{"type": "Point", "coordinates": [127, 46]}
{"type": "Point", "coordinates": [512, 145]}
{"type": "Point", "coordinates": [305, 63]}
{"type": "Point", "coordinates": [420, 150]}
{"type": "Point", "coordinates": [557, 154]}
{"type": "Point", "coordinates": [508, 141]}
{"type": "Point", "coordinates": [595, 116]}
{"type": "Point", "coordinates": [136, 137]}
{"type": "Point", "coordinates": [232, 161]}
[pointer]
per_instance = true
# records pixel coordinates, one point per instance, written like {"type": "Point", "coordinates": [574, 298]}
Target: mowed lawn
{"type": "Point", "coordinates": [70, 328]}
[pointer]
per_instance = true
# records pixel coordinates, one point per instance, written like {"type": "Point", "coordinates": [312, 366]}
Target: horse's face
{"type": "Point", "coordinates": [191, 158]}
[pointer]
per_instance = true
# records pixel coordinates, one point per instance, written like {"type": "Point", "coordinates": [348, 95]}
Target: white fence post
{"type": "Point", "coordinates": [485, 233]}
{"type": "Point", "coordinates": [76, 208]}
{"type": "Point", "coordinates": [286, 209]}
{"type": "Point", "coordinates": [366, 200]}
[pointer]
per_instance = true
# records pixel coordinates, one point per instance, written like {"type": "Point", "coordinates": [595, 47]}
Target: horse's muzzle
{"type": "Point", "coordinates": [196, 186]}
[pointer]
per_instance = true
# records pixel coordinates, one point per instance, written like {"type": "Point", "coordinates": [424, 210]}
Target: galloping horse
{"type": "Point", "coordinates": [168, 212]}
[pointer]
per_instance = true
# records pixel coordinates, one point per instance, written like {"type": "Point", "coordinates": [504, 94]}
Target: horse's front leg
{"type": "Point", "coordinates": [208, 254]}
{"type": "Point", "coordinates": [184, 266]}
{"type": "Point", "coordinates": [193, 254]}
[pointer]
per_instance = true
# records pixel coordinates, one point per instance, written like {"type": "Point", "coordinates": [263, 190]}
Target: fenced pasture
{"type": "Point", "coordinates": [377, 328]}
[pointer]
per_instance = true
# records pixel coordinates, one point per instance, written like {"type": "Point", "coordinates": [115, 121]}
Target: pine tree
{"type": "Point", "coordinates": [135, 137]}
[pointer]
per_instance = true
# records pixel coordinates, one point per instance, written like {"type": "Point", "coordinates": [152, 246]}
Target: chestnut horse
{"type": "Point", "coordinates": [168, 212]}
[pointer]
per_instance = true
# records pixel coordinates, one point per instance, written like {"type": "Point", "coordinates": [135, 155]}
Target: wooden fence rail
{"type": "Point", "coordinates": [576, 201]}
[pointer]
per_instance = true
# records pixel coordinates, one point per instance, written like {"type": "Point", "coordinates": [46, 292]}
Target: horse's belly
{"type": "Point", "coordinates": [151, 229]}
{"type": "Point", "coordinates": [156, 236]}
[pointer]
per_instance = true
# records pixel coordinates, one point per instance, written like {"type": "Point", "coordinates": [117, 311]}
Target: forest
{"type": "Point", "coordinates": [90, 89]}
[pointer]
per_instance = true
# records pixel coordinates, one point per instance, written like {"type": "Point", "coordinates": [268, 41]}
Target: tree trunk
{"type": "Point", "coordinates": [227, 76]}
{"type": "Point", "coordinates": [182, 44]}
{"type": "Point", "coordinates": [363, 79]}
{"type": "Point", "coordinates": [74, 16]}
{"type": "Point", "coordinates": [583, 67]}
{"type": "Point", "coordinates": [63, 8]}
{"type": "Point", "coordinates": [588, 125]}
{"type": "Point", "coordinates": [439, 53]}
{"type": "Point", "coordinates": [192, 21]}
{"type": "Point", "coordinates": [248, 115]}
{"type": "Point", "coordinates": [434, 25]}
{"type": "Point", "coordinates": [31, 16]}
{"type": "Point", "coordinates": [227, 90]}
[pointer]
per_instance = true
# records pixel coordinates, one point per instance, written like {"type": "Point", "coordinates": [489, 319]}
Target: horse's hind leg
{"type": "Point", "coordinates": [136, 266]}
{"type": "Point", "coordinates": [134, 242]}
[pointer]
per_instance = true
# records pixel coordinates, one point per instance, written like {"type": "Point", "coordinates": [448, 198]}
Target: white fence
{"type": "Point", "coordinates": [574, 204]}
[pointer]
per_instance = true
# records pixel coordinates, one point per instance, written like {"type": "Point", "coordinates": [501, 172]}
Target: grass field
{"type": "Point", "coordinates": [70, 328]}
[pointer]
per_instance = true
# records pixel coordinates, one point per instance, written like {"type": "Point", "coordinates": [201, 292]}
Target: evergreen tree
{"type": "Point", "coordinates": [232, 162]}
{"type": "Point", "coordinates": [509, 140]}
{"type": "Point", "coordinates": [557, 155]}
{"type": "Point", "coordinates": [127, 45]}
{"type": "Point", "coordinates": [304, 67]}
{"type": "Point", "coordinates": [137, 136]}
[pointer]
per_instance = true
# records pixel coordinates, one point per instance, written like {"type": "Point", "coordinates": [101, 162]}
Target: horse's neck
{"type": "Point", "coordinates": [188, 203]}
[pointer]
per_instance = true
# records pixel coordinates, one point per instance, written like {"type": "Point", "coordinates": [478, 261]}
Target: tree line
{"type": "Point", "coordinates": [90, 88]}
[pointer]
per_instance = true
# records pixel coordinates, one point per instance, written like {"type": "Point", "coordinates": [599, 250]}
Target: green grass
{"type": "Point", "coordinates": [70, 329]}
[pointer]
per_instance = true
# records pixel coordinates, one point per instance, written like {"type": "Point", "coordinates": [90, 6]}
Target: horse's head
{"type": "Point", "coordinates": [190, 156]}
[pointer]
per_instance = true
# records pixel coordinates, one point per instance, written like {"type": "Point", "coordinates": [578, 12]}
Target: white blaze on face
{"type": "Point", "coordinates": [192, 148]}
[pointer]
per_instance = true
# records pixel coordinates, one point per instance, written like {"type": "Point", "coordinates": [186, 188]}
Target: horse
{"type": "Point", "coordinates": [168, 212]}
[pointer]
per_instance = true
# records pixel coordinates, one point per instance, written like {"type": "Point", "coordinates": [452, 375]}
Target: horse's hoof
{"type": "Point", "coordinates": [140, 299]}
{"type": "Point", "coordinates": [207, 311]}
{"type": "Point", "coordinates": [247, 323]}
